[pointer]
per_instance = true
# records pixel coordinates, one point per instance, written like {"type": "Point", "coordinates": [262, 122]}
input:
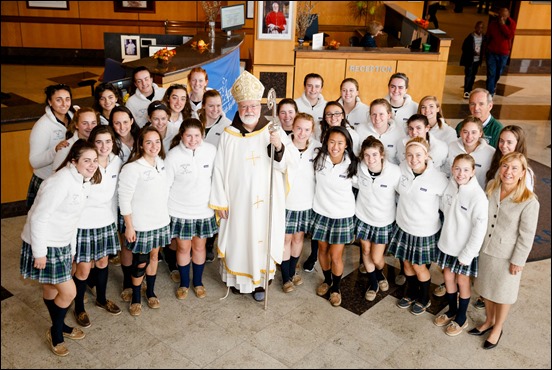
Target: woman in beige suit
{"type": "Point", "coordinates": [513, 216]}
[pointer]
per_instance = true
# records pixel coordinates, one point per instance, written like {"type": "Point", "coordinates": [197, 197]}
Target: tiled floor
{"type": "Point", "coordinates": [299, 329]}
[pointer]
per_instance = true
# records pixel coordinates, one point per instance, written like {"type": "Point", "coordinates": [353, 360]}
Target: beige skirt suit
{"type": "Point", "coordinates": [510, 233]}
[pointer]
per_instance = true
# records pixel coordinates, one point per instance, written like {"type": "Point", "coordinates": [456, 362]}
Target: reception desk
{"type": "Point", "coordinates": [372, 67]}
{"type": "Point", "coordinates": [187, 58]}
{"type": "Point", "coordinates": [221, 61]}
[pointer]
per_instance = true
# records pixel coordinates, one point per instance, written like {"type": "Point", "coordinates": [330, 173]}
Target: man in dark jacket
{"type": "Point", "coordinates": [473, 50]}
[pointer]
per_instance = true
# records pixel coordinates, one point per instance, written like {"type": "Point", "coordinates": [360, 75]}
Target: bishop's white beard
{"type": "Point", "coordinates": [250, 120]}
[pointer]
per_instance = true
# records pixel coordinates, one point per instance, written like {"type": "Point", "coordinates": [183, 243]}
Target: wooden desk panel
{"type": "Point", "coordinates": [16, 170]}
{"type": "Point", "coordinates": [331, 70]}
{"type": "Point", "coordinates": [372, 77]}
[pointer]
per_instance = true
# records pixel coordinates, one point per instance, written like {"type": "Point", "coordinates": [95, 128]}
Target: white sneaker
{"type": "Point", "coordinates": [466, 95]}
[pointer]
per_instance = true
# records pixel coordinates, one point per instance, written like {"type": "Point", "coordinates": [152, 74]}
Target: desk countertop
{"type": "Point", "coordinates": [23, 117]}
{"type": "Point", "coordinates": [187, 57]}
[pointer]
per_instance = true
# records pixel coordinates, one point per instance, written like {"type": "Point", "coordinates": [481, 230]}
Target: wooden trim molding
{"type": "Point", "coordinates": [532, 32]}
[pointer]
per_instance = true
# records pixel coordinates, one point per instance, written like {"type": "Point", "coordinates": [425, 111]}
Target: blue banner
{"type": "Point", "coordinates": [222, 74]}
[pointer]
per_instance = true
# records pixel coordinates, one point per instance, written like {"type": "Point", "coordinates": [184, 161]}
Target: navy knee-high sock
{"type": "Point", "coordinates": [210, 243]}
{"type": "Point", "coordinates": [57, 327]}
{"type": "Point", "coordinates": [452, 299]}
{"type": "Point", "coordinates": [424, 291]}
{"type": "Point", "coordinates": [170, 258]}
{"type": "Point", "coordinates": [327, 276]}
{"type": "Point", "coordinates": [197, 271]}
{"type": "Point", "coordinates": [79, 298]}
{"type": "Point", "coordinates": [379, 274]}
{"type": "Point", "coordinates": [101, 284]}
{"type": "Point", "coordinates": [412, 287]}
{"type": "Point", "coordinates": [284, 267]}
{"type": "Point", "coordinates": [314, 250]}
{"type": "Point", "coordinates": [136, 293]}
{"type": "Point", "coordinates": [293, 265]}
{"type": "Point", "coordinates": [127, 276]}
{"type": "Point", "coordinates": [91, 280]}
{"type": "Point", "coordinates": [336, 283]}
{"type": "Point", "coordinates": [462, 309]}
{"type": "Point", "coordinates": [51, 306]}
{"type": "Point", "coordinates": [184, 275]}
{"type": "Point", "coordinates": [372, 281]}
{"type": "Point", "coordinates": [150, 285]}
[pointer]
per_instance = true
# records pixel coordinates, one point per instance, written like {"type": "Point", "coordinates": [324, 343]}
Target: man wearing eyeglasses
{"type": "Point", "coordinates": [240, 192]}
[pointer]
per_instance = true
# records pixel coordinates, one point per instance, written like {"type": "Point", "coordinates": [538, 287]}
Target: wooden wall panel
{"type": "Point", "coordinates": [427, 78]}
{"type": "Point", "coordinates": [93, 36]}
{"type": "Point", "coordinates": [533, 16]}
{"type": "Point", "coordinates": [102, 10]}
{"type": "Point", "coordinates": [531, 47]}
{"type": "Point", "coordinates": [161, 30]}
{"type": "Point", "coordinates": [176, 11]}
{"type": "Point", "coordinates": [9, 8]}
{"type": "Point", "coordinates": [372, 77]}
{"type": "Point", "coordinates": [73, 11]}
{"type": "Point", "coordinates": [11, 34]}
{"type": "Point", "coordinates": [414, 7]}
{"type": "Point", "coordinates": [16, 170]}
{"type": "Point", "coordinates": [270, 52]}
{"type": "Point", "coordinates": [275, 52]}
{"type": "Point", "coordinates": [288, 70]}
{"type": "Point", "coordinates": [45, 35]}
{"type": "Point", "coordinates": [331, 70]}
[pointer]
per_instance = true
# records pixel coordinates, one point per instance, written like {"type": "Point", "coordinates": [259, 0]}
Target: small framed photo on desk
{"type": "Point", "coordinates": [130, 47]}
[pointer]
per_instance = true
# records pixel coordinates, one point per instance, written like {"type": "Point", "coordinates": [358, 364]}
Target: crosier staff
{"type": "Point", "coordinates": [273, 126]}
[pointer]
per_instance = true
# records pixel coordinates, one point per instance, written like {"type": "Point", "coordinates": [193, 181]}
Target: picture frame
{"type": "Point", "coordinates": [130, 47]}
{"type": "Point", "coordinates": [250, 10]}
{"type": "Point", "coordinates": [275, 31]}
{"type": "Point", "coordinates": [134, 6]}
{"type": "Point", "coordinates": [58, 5]}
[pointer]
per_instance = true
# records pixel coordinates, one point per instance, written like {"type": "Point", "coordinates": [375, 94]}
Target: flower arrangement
{"type": "Point", "coordinates": [333, 45]}
{"type": "Point", "coordinates": [422, 22]}
{"type": "Point", "coordinates": [200, 45]}
{"type": "Point", "coordinates": [304, 18]}
{"type": "Point", "coordinates": [164, 54]}
{"type": "Point", "coordinates": [211, 9]}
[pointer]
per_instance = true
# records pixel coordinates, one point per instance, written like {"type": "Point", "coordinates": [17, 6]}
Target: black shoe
{"type": "Point", "coordinates": [476, 331]}
{"type": "Point", "coordinates": [308, 265]}
{"type": "Point", "coordinates": [489, 345]}
{"type": "Point", "coordinates": [210, 256]}
{"type": "Point", "coordinates": [479, 304]}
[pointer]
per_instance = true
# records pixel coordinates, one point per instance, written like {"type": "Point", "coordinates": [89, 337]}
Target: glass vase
{"type": "Point", "coordinates": [212, 30]}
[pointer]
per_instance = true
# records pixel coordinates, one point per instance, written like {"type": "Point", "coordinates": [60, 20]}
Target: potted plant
{"type": "Point", "coordinates": [367, 11]}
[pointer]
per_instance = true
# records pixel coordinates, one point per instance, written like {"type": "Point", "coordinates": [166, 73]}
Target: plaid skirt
{"type": "Point", "coordinates": [58, 265]}
{"type": "Point", "coordinates": [94, 244]}
{"type": "Point", "coordinates": [147, 240]}
{"type": "Point", "coordinates": [186, 229]}
{"type": "Point", "coordinates": [444, 260]}
{"type": "Point", "coordinates": [374, 234]}
{"type": "Point", "coordinates": [297, 221]}
{"type": "Point", "coordinates": [333, 230]}
{"type": "Point", "coordinates": [418, 250]}
{"type": "Point", "coordinates": [32, 191]}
